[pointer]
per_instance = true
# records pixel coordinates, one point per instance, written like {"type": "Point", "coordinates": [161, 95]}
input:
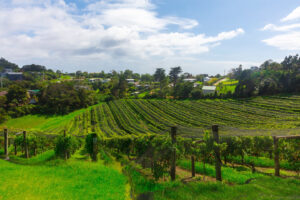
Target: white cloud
{"type": "Point", "coordinates": [107, 29]}
{"type": "Point", "coordinates": [295, 14]}
{"type": "Point", "coordinates": [273, 27]}
{"type": "Point", "coordinates": [288, 41]}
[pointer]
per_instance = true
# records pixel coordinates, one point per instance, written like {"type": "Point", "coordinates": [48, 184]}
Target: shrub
{"type": "Point", "coordinates": [65, 146]}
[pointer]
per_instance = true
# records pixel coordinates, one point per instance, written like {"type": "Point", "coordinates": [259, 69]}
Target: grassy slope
{"type": "Point", "coordinates": [59, 180]}
{"type": "Point", "coordinates": [41, 122]}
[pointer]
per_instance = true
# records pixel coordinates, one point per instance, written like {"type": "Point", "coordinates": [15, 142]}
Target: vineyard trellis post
{"type": "Point", "coordinates": [193, 165]}
{"type": "Point", "coordinates": [25, 144]}
{"type": "Point", "coordinates": [15, 145]}
{"type": "Point", "coordinates": [276, 156]}
{"type": "Point", "coordinates": [6, 143]}
{"type": "Point", "coordinates": [215, 130]}
{"type": "Point", "coordinates": [95, 147]}
{"type": "Point", "coordinates": [173, 156]}
{"type": "Point", "coordinates": [276, 151]}
{"type": "Point", "coordinates": [65, 150]}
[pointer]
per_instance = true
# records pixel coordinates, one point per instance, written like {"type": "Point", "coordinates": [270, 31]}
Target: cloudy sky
{"type": "Point", "coordinates": [200, 36]}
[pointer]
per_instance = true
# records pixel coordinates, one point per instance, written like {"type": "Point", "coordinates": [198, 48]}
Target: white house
{"type": "Point", "coordinates": [208, 89]}
{"type": "Point", "coordinates": [129, 80]}
{"type": "Point", "coordinates": [206, 79]}
{"type": "Point", "coordinates": [105, 80]}
{"type": "Point", "coordinates": [190, 80]}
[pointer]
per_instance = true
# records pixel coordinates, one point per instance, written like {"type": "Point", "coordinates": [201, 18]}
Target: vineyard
{"type": "Point", "coordinates": [256, 116]}
{"type": "Point", "coordinates": [160, 146]}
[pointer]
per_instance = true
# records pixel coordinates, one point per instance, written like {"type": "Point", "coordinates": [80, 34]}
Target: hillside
{"type": "Point", "coordinates": [276, 115]}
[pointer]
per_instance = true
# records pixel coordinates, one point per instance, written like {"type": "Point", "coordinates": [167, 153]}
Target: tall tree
{"type": "Point", "coordinates": [174, 76]}
{"type": "Point", "coordinates": [160, 76]}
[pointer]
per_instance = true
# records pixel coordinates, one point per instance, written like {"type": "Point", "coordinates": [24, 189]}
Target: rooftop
{"type": "Point", "coordinates": [209, 88]}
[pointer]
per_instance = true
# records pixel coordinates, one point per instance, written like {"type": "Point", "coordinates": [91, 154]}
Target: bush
{"type": "Point", "coordinates": [89, 145]}
{"type": "Point", "coordinates": [65, 146]}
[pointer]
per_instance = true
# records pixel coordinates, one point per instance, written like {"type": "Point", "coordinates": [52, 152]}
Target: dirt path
{"type": "Point", "coordinates": [186, 176]}
{"type": "Point", "coordinates": [219, 81]}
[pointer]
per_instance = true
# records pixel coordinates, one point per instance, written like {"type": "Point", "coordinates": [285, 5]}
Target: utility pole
{"type": "Point", "coordinates": [1, 81]}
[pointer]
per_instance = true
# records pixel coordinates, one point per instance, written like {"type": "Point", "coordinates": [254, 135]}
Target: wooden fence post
{"type": "Point", "coordinates": [215, 130]}
{"type": "Point", "coordinates": [5, 143]}
{"type": "Point", "coordinates": [193, 166]}
{"type": "Point", "coordinates": [25, 144]}
{"type": "Point", "coordinates": [15, 144]}
{"type": "Point", "coordinates": [173, 156]}
{"type": "Point", "coordinates": [276, 156]}
{"type": "Point", "coordinates": [65, 150]}
{"type": "Point", "coordinates": [95, 147]}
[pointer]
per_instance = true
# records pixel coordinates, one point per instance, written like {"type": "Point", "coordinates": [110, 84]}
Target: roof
{"type": "Point", "coordinates": [189, 79]}
{"type": "Point", "coordinates": [34, 91]}
{"type": "Point", "coordinates": [14, 73]}
{"type": "Point", "coordinates": [209, 88]}
{"type": "Point", "coordinates": [3, 93]}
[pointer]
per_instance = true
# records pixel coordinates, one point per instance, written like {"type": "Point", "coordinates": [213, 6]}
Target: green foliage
{"type": "Point", "coordinates": [89, 141]}
{"type": "Point", "coordinates": [62, 98]}
{"type": "Point", "coordinates": [65, 146]}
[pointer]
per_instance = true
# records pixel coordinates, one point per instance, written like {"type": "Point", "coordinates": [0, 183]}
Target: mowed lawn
{"type": "Point", "coordinates": [61, 180]}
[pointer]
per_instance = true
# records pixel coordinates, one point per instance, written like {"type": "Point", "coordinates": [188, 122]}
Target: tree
{"type": "Point", "coordinates": [128, 74]}
{"type": "Point", "coordinates": [6, 64]}
{"type": "Point", "coordinates": [3, 114]}
{"type": "Point", "coordinates": [160, 77]}
{"type": "Point", "coordinates": [33, 68]}
{"type": "Point", "coordinates": [17, 95]}
{"type": "Point", "coordinates": [174, 75]}
{"type": "Point", "coordinates": [78, 73]}
{"type": "Point", "coordinates": [184, 89]}
{"type": "Point", "coordinates": [146, 78]}
{"type": "Point", "coordinates": [62, 98]}
{"type": "Point", "coordinates": [159, 74]}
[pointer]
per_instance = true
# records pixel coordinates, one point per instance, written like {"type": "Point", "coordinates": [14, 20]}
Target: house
{"type": "Point", "coordinates": [12, 76]}
{"type": "Point", "coordinates": [206, 79]}
{"type": "Point", "coordinates": [86, 87]}
{"type": "Point", "coordinates": [254, 68]}
{"type": "Point", "coordinates": [197, 84]}
{"type": "Point", "coordinates": [105, 80]}
{"type": "Point", "coordinates": [129, 80]}
{"type": "Point", "coordinates": [93, 80]}
{"type": "Point", "coordinates": [190, 80]}
{"type": "Point", "coordinates": [208, 90]}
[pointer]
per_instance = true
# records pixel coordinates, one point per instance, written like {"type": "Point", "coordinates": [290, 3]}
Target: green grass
{"type": "Point", "coordinates": [142, 95]}
{"type": "Point", "coordinates": [224, 89]}
{"type": "Point", "coordinates": [37, 160]}
{"type": "Point", "coordinates": [261, 162]}
{"type": "Point", "coordinates": [60, 180]}
{"type": "Point", "coordinates": [263, 188]}
{"type": "Point", "coordinates": [237, 175]}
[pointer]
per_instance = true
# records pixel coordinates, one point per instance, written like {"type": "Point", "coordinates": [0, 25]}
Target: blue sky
{"type": "Point", "coordinates": [198, 35]}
